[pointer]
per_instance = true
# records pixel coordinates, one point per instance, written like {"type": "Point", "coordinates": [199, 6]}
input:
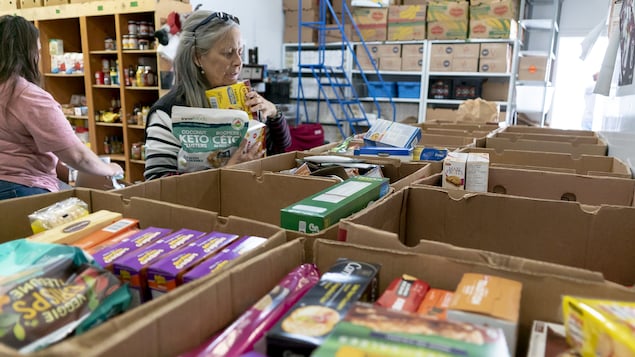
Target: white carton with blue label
{"type": "Point", "coordinates": [390, 133]}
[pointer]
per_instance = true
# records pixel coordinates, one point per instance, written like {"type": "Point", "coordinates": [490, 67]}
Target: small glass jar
{"type": "Point", "coordinates": [144, 44]}
{"type": "Point", "coordinates": [133, 27]}
{"type": "Point", "coordinates": [109, 44]}
{"type": "Point", "coordinates": [133, 42]}
{"type": "Point", "coordinates": [149, 77]}
{"type": "Point", "coordinates": [144, 28]}
{"type": "Point", "coordinates": [125, 42]}
{"type": "Point", "coordinates": [135, 151]}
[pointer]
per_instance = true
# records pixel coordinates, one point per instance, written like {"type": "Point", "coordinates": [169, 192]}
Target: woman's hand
{"type": "Point", "coordinates": [245, 153]}
{"type": "Point", "coordinates": [256, 103]}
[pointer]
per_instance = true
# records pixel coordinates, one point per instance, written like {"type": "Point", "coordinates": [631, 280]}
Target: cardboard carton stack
{"type": "Point", "coordinates": [459, 57]}
{"type": "Point", "coordinates": [495, 58]}
{"type": "Point", "coordinates": [372, 23]}
{"type": "Point", "coordinates": [412, 57]}
{"type": "Point", "coordinates": [292, 15]}
{"type": "Point", "coordinates": [406, 22]}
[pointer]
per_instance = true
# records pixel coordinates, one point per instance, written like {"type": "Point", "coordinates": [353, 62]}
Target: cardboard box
{"type": "Point", "coordinates": [551, 143]}
{"type": "Point", "coordinates": [465, 64]}
{"type": "Point", "coordinates": [549, 131]}
{"type": "Point", "coordinates": [292, 17]}
{"type": "Point", "coordinates": [356, 281]}
{"type": "Point", "coordinates": [506, 9]}
{"type": "Point", "coordinates": [365, 63]}
{"type": "Point", "coordinates": [449, 141]}
{"type": "Point", "coordinates": [406, 22]}
{"type": "Point", "coordinates": [466, 50]}
{"type": "Point", "coordinates": [294, 4]}
{"type": "Point", "coordinates": [175, 325]}
{"type": "Point", "coordinates": [412, 49]}
{"type": "Point", "coordinates": [372, 23]}
{"type": "Point", "coordinates": [477, 172]}
{"type": "Point", "coordinates": [441, 63]}
{"type": "Point", "coordinates": [318, 212]}
{"type": "Point", "coordinates": [488, 300]}
{"type": "Point", "coordinates": [390, 63]}
{"type": "Point", "coordinates": [596, 238]}
{"type": "Point", "coordinates": [454, 168]}
{"type": "Point", "coordinates": [447, 30]}
{"type": "Point", "coordinates": [447, 11]}
{"type": "Point", "coordinates": [493, 66]}
{"type": "Point", "coordinates": [382, 51]}
{"type": "Point", "coordinates": [291, 34]}
{"type": "Point", "coordinates": [444, 114]}
{"type": "Point", "coordinates": [460, 126]}
{"type": "Point", "coordinates": [547, 340]}
{"type": "Point", "coordinates": [27, 4]}
{"type": "Point", "coordinates": [494, 89]}
{"type": "Point", "coordinates": [493, 28]}
{"type": "Point", "coordinates": [500, 51]}
{"type": "Point", "coordinates": [532, 68]}
{"type": "Point", "coordinates": [411, 63]}
{"type": "Point", "coordinates": [557, 162]}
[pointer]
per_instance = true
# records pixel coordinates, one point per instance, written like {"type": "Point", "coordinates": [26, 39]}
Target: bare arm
{"type": "Point", "coordinates": [82, 159]}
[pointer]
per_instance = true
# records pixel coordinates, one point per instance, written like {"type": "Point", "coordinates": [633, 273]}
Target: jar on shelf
{"type": "Point", "coordinates": [109, 44]}
{"type": "Point", "coordinates": [149, 77]}
{"type": "Point", "coordinates": [133, 27]}
{"type": "Point", "coordinates": [125, 42]}
{"type": "Point", "coordinates": [135, 151]}
{"type": "Point", "coordinates": [144, 28]}
{"type": "Point", "coordinates": [133, 42]}
{"type": "Point", "coordinates": [99, 77]}
{"type": "Point", "coordinates": [144, 44]}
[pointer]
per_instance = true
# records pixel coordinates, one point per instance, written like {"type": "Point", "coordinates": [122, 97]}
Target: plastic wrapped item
{"type": "Point", "coordinates": [58, 213]}
{"type": "Point", "coordinates": [50, 291]}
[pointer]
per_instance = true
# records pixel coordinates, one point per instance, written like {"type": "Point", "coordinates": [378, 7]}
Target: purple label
{"type": "Point", "coordinates": [224, 257]}
{"type": "Point", "coordinates": [143, 238]}
{"type": "Point", "coordinates": [162, 274]}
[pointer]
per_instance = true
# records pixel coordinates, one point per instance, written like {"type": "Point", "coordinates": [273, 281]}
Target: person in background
{"type": "Point", "coordinates": [34, 133]}
{"type": "Point", "coordinates": [209, 55]}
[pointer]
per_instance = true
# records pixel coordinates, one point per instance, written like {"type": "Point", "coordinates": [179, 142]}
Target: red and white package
{"type": "Point", "coordinates": [404, 293]}
{"type": "Point", "coordinates": [241, 335]}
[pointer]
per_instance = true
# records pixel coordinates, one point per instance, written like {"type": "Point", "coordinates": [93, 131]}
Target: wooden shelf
{"type": "Point", "coordinates": [140, 162]}
{"type": "Point", "coordinates": [137, 127]}
{"type": "Point", "coordinates": [117, 157]}
{"type": "Point", "coordinates": [142, 88]}
{"type": "Point", "coordinates": [149, 52]}
{"type": "Point", "coordinates": [81, 117]}
{"type": "Point", "coordinates": [103, 52]}
{"type": "Point", "coordinates": [106, 86]}
{"type": "Point", "coordinates": [65, 75]}
{"type": "Point", "coordinates": [117, 125]}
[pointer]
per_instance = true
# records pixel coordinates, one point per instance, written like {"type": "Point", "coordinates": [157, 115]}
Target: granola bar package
{"type": "Point", "coordinates": [50, 291]}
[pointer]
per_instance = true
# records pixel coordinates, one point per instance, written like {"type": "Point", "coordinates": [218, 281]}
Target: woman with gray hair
{"type": "Point", "coordinates": [209, 56]}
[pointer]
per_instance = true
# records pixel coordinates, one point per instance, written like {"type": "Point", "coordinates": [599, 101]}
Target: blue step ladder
{"type": "Point", "coordinates": [335, 87]}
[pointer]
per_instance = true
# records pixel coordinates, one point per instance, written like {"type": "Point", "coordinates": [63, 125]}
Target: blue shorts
{"type": "Point", "coordinates": [13, 190]}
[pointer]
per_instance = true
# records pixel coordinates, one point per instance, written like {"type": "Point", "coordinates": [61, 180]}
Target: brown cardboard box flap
{"type": "Point", "coordinates": [488, 295]}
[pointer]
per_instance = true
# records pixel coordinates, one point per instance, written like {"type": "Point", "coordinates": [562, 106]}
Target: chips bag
{"type": "Point", "coordinates": [50, 291]}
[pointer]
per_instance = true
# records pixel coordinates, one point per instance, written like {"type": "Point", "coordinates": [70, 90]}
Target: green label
{"type": "Point", "coordinates": [57, 11]}
{"type": "Point", "coordinates": [134, 4]}
{"type": "Point", "coordinates": [100, 8]}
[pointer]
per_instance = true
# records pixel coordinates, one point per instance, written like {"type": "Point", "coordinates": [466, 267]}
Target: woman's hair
{"type": "Point", "coordinates": [19, 52]}
{"type": "Point", "coordinates": [198, 35]}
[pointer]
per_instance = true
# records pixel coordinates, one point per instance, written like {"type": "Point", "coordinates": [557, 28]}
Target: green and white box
{"type": "Point", "coordinates": [325, 208]}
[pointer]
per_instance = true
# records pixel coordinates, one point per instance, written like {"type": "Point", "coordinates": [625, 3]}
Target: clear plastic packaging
{"type": "Point", "coordinates": [58, 213]}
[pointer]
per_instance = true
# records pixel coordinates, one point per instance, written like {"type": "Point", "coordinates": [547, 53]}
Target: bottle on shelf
{"type": "Point", "coordinates": [139, 75]}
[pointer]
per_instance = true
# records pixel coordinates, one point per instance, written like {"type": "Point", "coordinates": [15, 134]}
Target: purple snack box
{"type": "Point", "coordinates": [132, 268]}
{"type": "Point", "coordinates": [166, 273]}
{"type": "Point", "coordinates": [108, 255]}
{"type": "Point", "coordinates": [220, 260]}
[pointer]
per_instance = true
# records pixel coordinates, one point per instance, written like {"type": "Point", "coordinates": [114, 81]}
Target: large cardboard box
{"type": "Point", "coordinates": [406, 22]}
{"type": "Point", "coordinates": [291, 34]}
{"type": "Point", "coordinates": [597, 238]}
{"type": "Point", "coordinates": [172, 326]}
{"type": "Point", "coordinates": [551, 143]}
{"type": "Point", "coordinates": [493, 28]}
{"type": "Point", "coordinates": [291, 17]}
{"type": "Point", "coordinates": [506, 9]}
{"type": "Point", "coordinates": [411, 63]}
{"type": "Point", "coordinates": [447, 30]}
{"type": "Point", "coordinates": [412, 49]}
{"type": "Point", "coordinates": [372, 23]}
{"type": "Point", "coordinates": [557, 162]}
{"type": "Point", "coordinates": [551, 185]}
{"type": "Point", "coordinates": [295, 4]}
{"type": "Point", "coordinates": [25, 4]}
{"type": "Point", "coordinates": [549, 131]}
{"type": "Point", "coordinates": [380, 50]}
{"type": "Point", "coordinates": [495, 89]}
{"type": "Point", "coordinates": [532, 68]}
{"type": "Point", "coordinates": [390, 63]}
{"type": "Point", "coordinates": [447, 11]}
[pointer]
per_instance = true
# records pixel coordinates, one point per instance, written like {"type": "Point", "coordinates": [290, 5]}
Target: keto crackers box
{"type": "Point", "coordinates": [108, 255]}
{"type": "Point", "coordinates": [307, 324]}
{"type": "Point", "coordinates": [133, 267]}
{"type": "Point", "coordinates": [327, 207]}
{"type": "Point", "coordinates": [221, 259]}
{"type": "Point", "coordinates": [167, 273]}
{"type": "Point", "coordinates": [369, 330]}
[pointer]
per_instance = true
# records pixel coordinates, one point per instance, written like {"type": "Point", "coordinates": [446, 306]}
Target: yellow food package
{"type": "Point", "coordinates": [600, 327]}
{"type": "Point", "coordinates": [230, 97]}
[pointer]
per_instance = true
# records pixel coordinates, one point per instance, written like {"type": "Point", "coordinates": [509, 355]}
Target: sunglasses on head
{"type": "Point", "coordinates": [216, 15]}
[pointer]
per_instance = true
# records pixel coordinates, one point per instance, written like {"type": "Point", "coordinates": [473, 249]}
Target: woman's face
{"type": "Point", "coordinates": [223, 62]}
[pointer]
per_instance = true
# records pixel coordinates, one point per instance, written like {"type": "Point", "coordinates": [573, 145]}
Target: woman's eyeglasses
{"type": "Point", "coordinates": [214, 15]}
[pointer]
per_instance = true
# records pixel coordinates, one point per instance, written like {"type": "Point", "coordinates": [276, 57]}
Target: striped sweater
{"type": "Point", "coordinates": [162, 147]}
